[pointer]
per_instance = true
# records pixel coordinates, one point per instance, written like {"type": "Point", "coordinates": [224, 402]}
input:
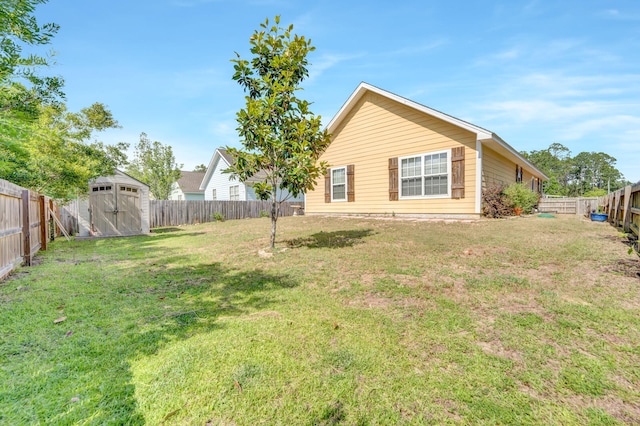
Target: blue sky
{"type": "Point", "coordinates": [534, 72]}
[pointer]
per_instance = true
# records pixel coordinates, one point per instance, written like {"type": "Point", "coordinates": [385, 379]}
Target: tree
{"type": "Point", "coordinates": [51, 153]}
{"type": "Point", "coordinates": [554, 162]}
{"type": "Point", "coordinates": [19, 27]}
{"type": "Point", "coordinates": [200, 168]}
{"type": "Point", "coordinates": [281, 137]}
{"type": "Point", "coordinates": [596, 170]}
{"type": "Point", "coordinates": [155, 165]}
{"type": "Point", "coordinates": [576, 176]}
{"type": "Point", "coordinates": [42, 145]}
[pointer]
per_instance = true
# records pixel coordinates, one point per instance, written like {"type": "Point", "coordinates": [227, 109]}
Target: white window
{"type": "Point", "coordinates": [234, 193]}
{"type": "Point", "coordinates": [214, 195]}
{"type": "Point", "coordinates": [425, 175]}
{"type": "Point", "coordinates": [339, 184]}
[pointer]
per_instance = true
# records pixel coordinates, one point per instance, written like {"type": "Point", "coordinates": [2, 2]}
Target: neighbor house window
{"type": "Point", "coordinates": [425, 175]}
{"type": "Point", "coordinates": [234, 193]}
{"type": "Point", "coordinates": [214, 196]}
{"type": "Point", "coordinates": [339, 184]}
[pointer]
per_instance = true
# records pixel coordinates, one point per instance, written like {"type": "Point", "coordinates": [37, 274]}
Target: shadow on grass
{"type": "Point", "coordinates": [336, 239]}
{"type": "Point", "coordinates": [165, 230]}
{"type": "Point", "coordinates": [117, 311]}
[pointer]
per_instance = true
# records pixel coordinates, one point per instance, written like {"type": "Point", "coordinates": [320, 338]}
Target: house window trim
{"type": "Point", "coordinates": [425, 197]}
{"type": "Point", "coordinates": [214, 194]}
{"type": "Point", "coordinates": [238, 195]}
{"type": "Point", "coordinates": [346, 183]}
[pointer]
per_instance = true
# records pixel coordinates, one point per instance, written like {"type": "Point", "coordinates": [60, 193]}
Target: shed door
{"type": "Point", "coordinates": [128, 216]}
{"type": "Point", "coordinates": [115, 210]}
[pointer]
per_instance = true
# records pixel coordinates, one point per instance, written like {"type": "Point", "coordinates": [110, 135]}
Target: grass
{"type": "Point", "coordinates": [358, 321]}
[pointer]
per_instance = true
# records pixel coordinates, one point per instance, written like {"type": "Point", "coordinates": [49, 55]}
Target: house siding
{"type": "Point", "coordinates": [176, 192]}
{"type": "Point", "coordinates": [498, 170]}
{"type": "Point", "coordinates": [221, 182]}
{"type": "Point", "coordinates": [379, 128]}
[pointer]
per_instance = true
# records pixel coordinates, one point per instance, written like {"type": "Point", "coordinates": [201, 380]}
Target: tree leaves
{"type": "Point", "coordinates": [575, 176]}
{"type": "Point", "coordinates": [47, 151]}
{"type": "Point", "coordinates": [155, 165]}
{"type": "Point", "coordinates": [282, 138]}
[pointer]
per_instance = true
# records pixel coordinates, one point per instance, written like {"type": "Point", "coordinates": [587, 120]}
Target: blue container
{"type": "Point", "coordinates": [598, 217]}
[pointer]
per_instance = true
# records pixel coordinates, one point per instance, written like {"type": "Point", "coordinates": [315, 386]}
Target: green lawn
{"type": "Point", "coordinates": [358, 321]}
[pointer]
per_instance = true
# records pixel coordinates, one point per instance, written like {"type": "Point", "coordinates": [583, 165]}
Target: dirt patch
{"type": "Point", "coordinates": [481, 251]}
{"type": "Point", "coordinates": [496, 348]}
{"type": "Point", "coordinates": [615, 407]}
{"type": "Point", "coordinates": [371, 300]}
{"type": "Point", "coordinates": [626, 267]}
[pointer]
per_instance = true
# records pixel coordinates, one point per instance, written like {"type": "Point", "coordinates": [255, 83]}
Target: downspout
{"type": "Point", "coordinates": [478, 177]}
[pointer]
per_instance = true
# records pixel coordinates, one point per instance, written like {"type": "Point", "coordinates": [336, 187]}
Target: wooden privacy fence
{"type": "Point", "coordinates": [623, 208]}
{"type": "Point", "coordinates": [568, 205]}
{"type": "Point", "coordinates": [24, 225]}
{"type": "Point", "coordinates": [189, 212]}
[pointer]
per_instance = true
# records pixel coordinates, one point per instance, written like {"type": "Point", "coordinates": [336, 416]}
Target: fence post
{"type": "Point", "coordinates": [26, 228]}
{"type": "Point", "coordinates": [43, 223]}
{"type": "Point", "coordinates": [626, 219]}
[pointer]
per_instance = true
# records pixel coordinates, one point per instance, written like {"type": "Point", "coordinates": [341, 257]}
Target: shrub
{"type": "Point", "coordinates": [595, 192]}
{"type": "Point", "coordinates": [217, 217]}
{"type": "Point", "coordinates": [494, 202]}
{"type": "Point", "coordinates": [521, 196]}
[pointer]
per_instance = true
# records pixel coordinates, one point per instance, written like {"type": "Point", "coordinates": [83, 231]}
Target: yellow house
{"type": "Point", "coordinates": [390, 155]}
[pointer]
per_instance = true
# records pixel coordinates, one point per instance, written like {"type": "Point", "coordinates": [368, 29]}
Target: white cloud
{"type": "Point", "coordinates": [513, 53]}
{"type": "Point", "coordinates": [560, 85]}
{"type": "Point", "coordinates": [616, 126]}
{"type": "Point", "coordinates": [418, 48]}
{"type": "Point", "coordinates": [522, 111]}
{"type": "Point", "coordinates": [223, 132]}
{"type": "Point", "coordinates": [328, 61]}
{"type": "Point", "coordinates": [618, 15]}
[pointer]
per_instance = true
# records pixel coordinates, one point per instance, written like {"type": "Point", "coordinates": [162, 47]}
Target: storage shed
{"type": "Point", "coordinates": [117, 205]}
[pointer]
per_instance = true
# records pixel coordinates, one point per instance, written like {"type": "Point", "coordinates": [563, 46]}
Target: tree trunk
{"type": "Point", "coordinates": [274, 220]}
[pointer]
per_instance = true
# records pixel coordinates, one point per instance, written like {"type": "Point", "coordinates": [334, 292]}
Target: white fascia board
{"type": "Point", "coordinates": [364, 87]}
{"type": "Point", "coordinates": [210, 168]}
{"type": "Point", "coordinates": [515, 153]}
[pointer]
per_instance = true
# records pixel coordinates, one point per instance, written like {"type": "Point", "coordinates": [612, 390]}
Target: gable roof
{"type": "Point", "coordinates": [487, 137]}
{"type": "Point", "coordinates": [221, 154]}
{"type": "Point", "coordinates": [117, 172]}
{"type": "Point", "coordinates": [189, 182]}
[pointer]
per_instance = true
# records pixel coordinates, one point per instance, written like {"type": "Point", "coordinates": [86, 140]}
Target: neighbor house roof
{"type": "Point", "coordinates": [485, 136]}
{"type": "Point", "coordinates": [190, 182]}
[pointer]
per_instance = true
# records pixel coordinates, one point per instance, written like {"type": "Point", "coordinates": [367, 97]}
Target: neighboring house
{"type": "Point", "coordinates": [390, 155]}
{"type": "Point", "coordinates": [224, 186]}
{"type": "Point", "coordinates": [188, 187]}
{"type": "Point", "coordinates": [117, 205]}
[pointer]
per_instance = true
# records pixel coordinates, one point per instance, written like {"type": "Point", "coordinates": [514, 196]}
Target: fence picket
{"type": "Point", "coordinates": [23, 226]}
{"type": "Point", "coordinates": [190, 212]}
